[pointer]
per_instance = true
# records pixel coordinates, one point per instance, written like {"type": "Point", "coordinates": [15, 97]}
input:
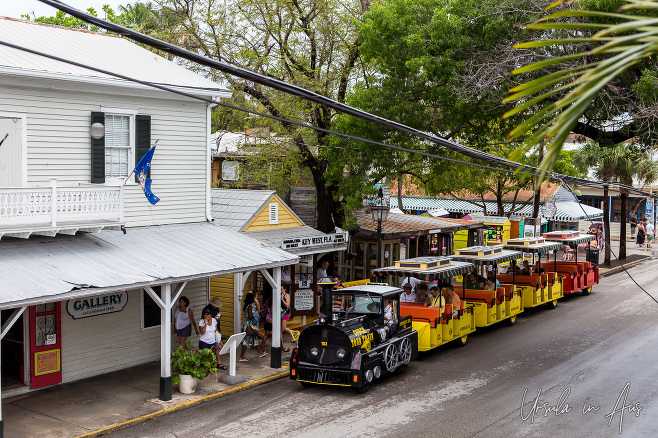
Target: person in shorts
{"type": "Point", "coordinates": [207, 338]}
{"type": "Point", "coordinates": [651, 234]}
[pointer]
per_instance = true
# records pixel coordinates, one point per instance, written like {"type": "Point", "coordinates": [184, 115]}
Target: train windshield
{"type": "Point", "coordinates": [367, 304]}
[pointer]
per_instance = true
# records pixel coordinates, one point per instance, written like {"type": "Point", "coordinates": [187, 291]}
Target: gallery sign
{"type": "Point", "coordinates": [99, 305]}
{"type": "Point", "coordinates": [305, 242]}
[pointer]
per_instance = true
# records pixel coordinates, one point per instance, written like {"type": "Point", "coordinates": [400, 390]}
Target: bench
{"type": "Point", "coordinates": [419, 312]}
{"type": "Point", "coordinates": [533, 280]}
{"type": "Point", "coordinates": [477, 295]}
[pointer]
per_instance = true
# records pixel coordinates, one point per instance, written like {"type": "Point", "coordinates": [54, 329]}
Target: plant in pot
{"type": "Point", "coordinates": [189, 365]}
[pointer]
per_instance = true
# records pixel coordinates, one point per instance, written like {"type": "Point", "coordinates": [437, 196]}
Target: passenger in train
{"type": "Point", "coordinates": [436, 299]}
{"type": "Point", "coordinates": [452, 298]}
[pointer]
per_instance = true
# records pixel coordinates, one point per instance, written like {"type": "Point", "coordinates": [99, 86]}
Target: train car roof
{"type": "Point", "coordinates": [378, 289]}
{"type": "Point", "coordinates": [454, 269]}
{"type": "Point", "coordinates": [479, 256]}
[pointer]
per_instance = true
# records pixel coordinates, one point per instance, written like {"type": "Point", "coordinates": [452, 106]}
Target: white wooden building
{"type": "Point", "coordinates": [71, 230]}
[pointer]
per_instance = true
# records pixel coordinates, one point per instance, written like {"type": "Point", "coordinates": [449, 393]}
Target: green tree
{"type": "Point", "coordinates": [310, 43]}
{"type": "Point", "coordinates": [620, 163]}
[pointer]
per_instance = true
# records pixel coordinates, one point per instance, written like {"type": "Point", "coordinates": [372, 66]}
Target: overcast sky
{"type": "Point", "coordinates": [16, 8]}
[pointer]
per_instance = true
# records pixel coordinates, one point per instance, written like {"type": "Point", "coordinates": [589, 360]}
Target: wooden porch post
{"type": "Point", "coordinates": [165, 303]}
{"type": "Point", "coordinates": [5, 328]}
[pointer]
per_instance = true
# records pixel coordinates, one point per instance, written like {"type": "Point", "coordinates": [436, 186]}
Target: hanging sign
{"type": "Point", "coordinates": [230, 170]}
{"type": "Point", "coordinates": [306, 260]}
{"type": "Point", "coordinates": [305, 242]}
{"type": "Point", "coordinates": [99, 305]}
{"type": "Point", "coordinates": [648, 213]}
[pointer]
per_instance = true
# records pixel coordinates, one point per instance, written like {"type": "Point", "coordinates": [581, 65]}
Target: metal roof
{"type": "Point", "coordinates": [108, 52]}
{"type": "Point", "coordinates": [409, 224]}
{"type": "Point", "coordinates": [234, 208]}
{"type": "Point", "coordinates": [64, 267]}
{"type": "Point", "coordinates": [443, 273]}
{"type": "Point", "coordinates": [565, 211]}
{"type": "Point", "coordinates": [379, 289]}
{"type": "Point", "coordinates": [273, 237]}
{"type": "Point", "coordinates": [491, 260]}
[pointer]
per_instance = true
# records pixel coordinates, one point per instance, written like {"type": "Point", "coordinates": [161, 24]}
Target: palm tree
{"type": "Point", "coordinates": [567, 93]}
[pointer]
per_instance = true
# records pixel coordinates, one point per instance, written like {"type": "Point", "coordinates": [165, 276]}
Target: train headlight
{"type": "Point", "coordinates": [315, 351]}
{"type": "Point", "coordinates": [340, 353]}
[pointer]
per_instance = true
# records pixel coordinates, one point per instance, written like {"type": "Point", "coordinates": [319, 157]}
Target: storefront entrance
{"type": "Point", "coordinates": [13, 353]}
{"type": "Point", "coordinates": [45, 345]}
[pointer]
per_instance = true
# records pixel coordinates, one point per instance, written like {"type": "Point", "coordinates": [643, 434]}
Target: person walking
{"type": "Point", "coordinates": [641, 233]}
{"type": "Point", "coordinates": [633, 222]}
{"type": "Point", "coordinates": [651, 234]}
{"type": "Point", "coordinates": [184, 321]}
{"type": "Point", "coordinates": [250, 327]}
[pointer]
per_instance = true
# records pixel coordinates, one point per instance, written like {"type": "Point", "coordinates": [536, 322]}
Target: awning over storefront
{"type": "Point", "coordinates": [46, 269]}
{"type": "Point", "coordinates": [565, 211]}
{"type": "Point", "coordinates": [301, 240]}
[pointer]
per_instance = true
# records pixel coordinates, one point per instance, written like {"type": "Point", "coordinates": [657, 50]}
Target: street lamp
{"type": "Point", "coordinates": [379, 215]}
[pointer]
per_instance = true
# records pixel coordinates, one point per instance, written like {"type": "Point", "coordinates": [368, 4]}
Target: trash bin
{"type": "Point", "coordinates": [593, 256]}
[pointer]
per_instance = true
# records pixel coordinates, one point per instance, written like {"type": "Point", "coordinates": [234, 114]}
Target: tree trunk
{"type": "Point", "coordinates": [622, 226]}
{"type": "Point", "coordinates": [400, 179]}
{"type": "Point", "coordinates": [606, 225]}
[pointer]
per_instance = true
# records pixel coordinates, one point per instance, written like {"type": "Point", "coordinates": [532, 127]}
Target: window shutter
{"type": "Point", "coordinates": [142, 138]}
{"type": "Point", "coordinates": [97, 151]}
{"type": "Point", "coordinates": [274, 213]}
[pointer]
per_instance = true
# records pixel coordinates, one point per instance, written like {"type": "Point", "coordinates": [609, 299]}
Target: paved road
{"type": "Point", "coordinates": [596, 351]}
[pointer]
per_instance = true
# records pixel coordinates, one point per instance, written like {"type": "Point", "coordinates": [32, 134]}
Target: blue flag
{"type": "Point", "coordinates": [141, 170]}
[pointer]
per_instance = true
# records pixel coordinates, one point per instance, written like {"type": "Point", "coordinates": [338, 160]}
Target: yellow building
{"type": "Point", "coordinates": [262, 215]}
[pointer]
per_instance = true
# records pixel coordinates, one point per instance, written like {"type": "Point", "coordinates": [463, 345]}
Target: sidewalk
{"type": "Point", "coordinates": [98, 405]}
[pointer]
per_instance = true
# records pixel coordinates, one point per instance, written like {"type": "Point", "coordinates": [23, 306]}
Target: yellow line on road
{"type": "Point", "coordinates": [183, 405]}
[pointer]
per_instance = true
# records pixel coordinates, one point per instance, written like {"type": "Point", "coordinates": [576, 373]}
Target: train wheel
{"type": "Point", "coordinates": [587, 291]}
{"type": "Point", "coordinates": [405, 352]}
{"type": "Point", "coordinates": [391, 357]}
{"type": "Point", "coordinates": [462, 340]}
{"type": "Point", "coordinates": [552, 304]}
{"type": "Point", "coordinates": [511, 320]}
{"type": "Point", "coordinates": [363, 389]}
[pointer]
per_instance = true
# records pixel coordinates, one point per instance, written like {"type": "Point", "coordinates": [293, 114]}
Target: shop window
{"type": "Point", "coordinates": [150, 309]}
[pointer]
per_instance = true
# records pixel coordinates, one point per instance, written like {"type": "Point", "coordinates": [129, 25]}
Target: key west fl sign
{"type": "Point", "coordinates": [100, 305]}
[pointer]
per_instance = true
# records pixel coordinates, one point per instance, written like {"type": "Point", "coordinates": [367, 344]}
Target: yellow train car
{"type": "Point", "coordinates": [492, 306]}
{"type": "Point", "coordinates": [539, 287]}
{"type": "Point", "coordinates": [436, 326]}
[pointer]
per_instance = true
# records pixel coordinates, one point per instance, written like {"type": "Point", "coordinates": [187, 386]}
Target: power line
{"type": "Point", "coordinates": [226, 105]}
{"type": "Point", "coordinates": [315, 98]}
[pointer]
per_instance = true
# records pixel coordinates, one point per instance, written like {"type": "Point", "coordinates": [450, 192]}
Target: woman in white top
{"type": "Point", "coordinates": [184, 321]}
{"type": "Point", "coordinates": [210, 337]}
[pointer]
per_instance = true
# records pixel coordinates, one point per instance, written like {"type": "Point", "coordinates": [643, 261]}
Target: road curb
{"type": "Point", "coordinates": [618, 269]}
{"type": "Point", "coordinates": [183, 405]}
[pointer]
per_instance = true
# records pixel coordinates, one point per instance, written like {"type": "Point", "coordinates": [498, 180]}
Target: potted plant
{"type": "Point", "coordinates": [189, 365]}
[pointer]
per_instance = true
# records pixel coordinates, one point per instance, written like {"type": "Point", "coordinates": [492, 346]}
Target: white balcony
{"type": "Point", "coordinates": [48, 211]}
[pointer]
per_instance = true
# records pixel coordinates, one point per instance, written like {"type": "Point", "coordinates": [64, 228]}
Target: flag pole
{"type": "Point", "coordinates": [133, 171]}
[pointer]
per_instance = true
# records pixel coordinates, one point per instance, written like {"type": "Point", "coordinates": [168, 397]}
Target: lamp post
{"type": "Point", "coordinates": [379, 215]}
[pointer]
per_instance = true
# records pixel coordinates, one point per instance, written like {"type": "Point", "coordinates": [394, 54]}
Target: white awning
{"type": "Point", "coordinates": [46, 269]}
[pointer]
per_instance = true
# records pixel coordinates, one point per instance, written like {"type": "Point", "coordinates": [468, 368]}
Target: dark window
{"type": "Point", "coordinates": [150, 309]}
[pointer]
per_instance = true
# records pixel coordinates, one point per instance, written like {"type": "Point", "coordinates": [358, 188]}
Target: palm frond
{"type": "Point", "coordinates": [567, 93]}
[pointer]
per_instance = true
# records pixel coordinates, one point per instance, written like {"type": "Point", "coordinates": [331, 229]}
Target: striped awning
{"type": "Point", "coordinates": [536, 249]}
{"type": "Point", "coordinates": [564, 211]}
{"type": "Point", "coordinates": [572, 241]}
{"type": "Point", "coordinates": [492, 260]}
{"type": "Point", "coordinates": [454, 270]}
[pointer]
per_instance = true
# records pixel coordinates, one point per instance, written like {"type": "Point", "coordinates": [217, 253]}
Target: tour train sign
{"type": "Point", "coordinates": [305, 242]}
{"type": "Point", "coordinates": [98, 305]}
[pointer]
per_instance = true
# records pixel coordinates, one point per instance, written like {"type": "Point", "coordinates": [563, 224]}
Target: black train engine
{"type": "Point", "coordinates": [357, 339]}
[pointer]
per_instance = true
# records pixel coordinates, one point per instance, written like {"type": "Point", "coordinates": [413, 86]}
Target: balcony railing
{"type": "Point", "coordinates": [51, 210]}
